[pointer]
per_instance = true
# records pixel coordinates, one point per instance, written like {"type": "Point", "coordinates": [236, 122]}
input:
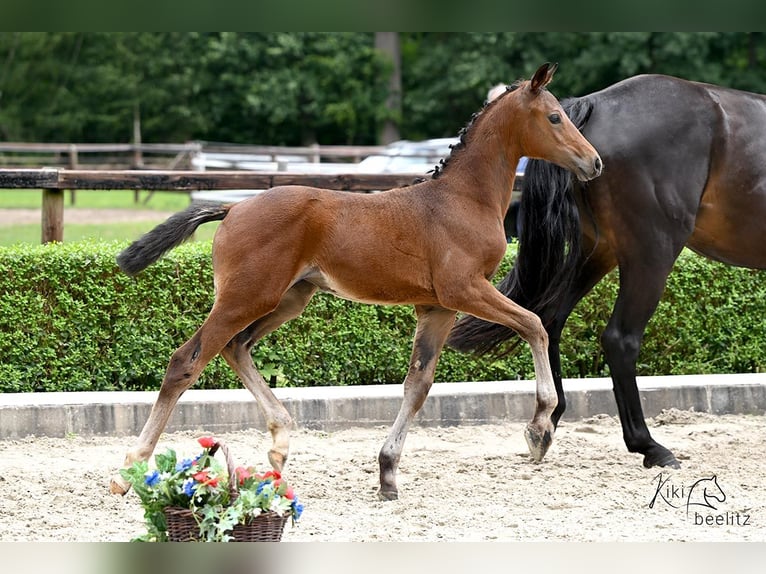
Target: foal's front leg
{"type": "Point", "coordinates": [434, 324]}
{"type": "Point", "coordinates": [481, 299]}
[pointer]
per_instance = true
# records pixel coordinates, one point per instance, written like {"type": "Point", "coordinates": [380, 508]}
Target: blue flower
{"type": "Point", "coordinates": [189, 487]}
{"type": "Point", "coordinates": [152, 478]}
{"type": "Point", "coordinates": [297, 508]}
{"type": "Point", "coordinates": [185, 464]}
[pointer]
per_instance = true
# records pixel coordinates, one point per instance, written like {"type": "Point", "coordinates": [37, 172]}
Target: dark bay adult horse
{"type": "Point", "coordinates": [434, 245]}
{"type": "Point", "coordinates": [685, 165]}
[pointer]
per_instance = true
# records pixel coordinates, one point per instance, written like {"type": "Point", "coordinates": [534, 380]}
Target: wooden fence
{"type": "Point", "coordinates": [53, 182]}
{"type": "Point", "coordinates": [162, 156]}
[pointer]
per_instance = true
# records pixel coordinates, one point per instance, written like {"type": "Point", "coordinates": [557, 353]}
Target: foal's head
{"type": "Point", "coordinates": [544, 129]}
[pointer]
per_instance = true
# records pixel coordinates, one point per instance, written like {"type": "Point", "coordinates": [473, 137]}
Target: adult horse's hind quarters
{"type": "Point", "coordinates": [433, 245]}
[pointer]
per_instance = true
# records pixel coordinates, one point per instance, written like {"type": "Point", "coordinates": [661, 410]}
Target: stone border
{"type": "Point", "coordinates": [333, 408]}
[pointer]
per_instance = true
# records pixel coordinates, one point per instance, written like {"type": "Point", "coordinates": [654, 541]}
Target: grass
{"type": "Point", "coordinates": [15, 234]}
{"type": "Point", "coordinates": [119, 199]}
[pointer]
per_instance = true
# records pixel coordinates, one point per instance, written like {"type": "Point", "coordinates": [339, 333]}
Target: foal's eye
{"type": "Point", "coordinates": [555, 118]}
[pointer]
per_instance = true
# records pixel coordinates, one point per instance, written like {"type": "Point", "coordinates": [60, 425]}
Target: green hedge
{"type": "Point", "coordinates": [71, 320]}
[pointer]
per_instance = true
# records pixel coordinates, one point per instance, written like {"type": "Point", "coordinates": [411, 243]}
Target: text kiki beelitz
{"type": "Point", "coordinates": [701, 499]}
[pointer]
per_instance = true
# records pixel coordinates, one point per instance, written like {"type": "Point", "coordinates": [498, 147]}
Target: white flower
{"type": "Point", "coordinates": [275, 506]}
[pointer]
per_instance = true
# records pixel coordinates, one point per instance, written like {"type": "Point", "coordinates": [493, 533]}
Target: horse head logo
{"type": "Point", "coordinates": [704, 492]}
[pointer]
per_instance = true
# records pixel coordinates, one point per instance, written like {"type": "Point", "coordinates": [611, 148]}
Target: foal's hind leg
{"type": "Point", "coordinates": [237, 354]}
{"type": "Point", "coordinates": [184, 369]}
{"type": "Point", "coordinates": [434, 324]}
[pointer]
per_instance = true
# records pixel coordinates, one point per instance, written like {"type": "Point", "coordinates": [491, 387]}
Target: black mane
{"type": "Point", "coordinates": [439, 169]}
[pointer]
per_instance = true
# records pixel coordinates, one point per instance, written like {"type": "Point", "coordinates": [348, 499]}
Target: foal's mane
{"type": "Point", "coordinates": [438, 170]}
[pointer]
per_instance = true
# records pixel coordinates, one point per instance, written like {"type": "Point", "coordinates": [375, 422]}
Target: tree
{"type": "Point", "coordinates": [294, 88]}
{"type": "Point", "coordinates": [388, 44]}
{"type": "Point", "coordinates": [331, 88]}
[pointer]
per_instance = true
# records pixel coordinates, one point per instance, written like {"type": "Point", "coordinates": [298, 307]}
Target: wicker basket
{"type": "Point", "coordinates": [184, 527]}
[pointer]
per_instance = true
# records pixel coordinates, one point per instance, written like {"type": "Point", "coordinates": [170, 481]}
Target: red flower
{"type": "Point", "coordinates": [283, 489]}
{"type": "Point", "coordinates": [272, 474]}
{"type": "Point", "coordinates": [206, 441]}
{"type": "Point", "coordinates": [243, 474]}
{"type": "Point", "coordinates": [204, 478]}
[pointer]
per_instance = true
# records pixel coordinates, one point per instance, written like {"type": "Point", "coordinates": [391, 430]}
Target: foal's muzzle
{"type": "Point", "coordinates": [590, 170]}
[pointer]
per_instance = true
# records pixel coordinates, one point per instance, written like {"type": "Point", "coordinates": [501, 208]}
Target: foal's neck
{"type": "Point", "coordinates": [484, 163]}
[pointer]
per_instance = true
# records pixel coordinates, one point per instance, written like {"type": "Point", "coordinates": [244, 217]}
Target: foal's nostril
{"type": "Point", "coordinates": [598, 164]}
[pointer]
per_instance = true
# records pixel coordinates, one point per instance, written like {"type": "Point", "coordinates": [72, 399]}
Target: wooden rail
{"type": "Point", "coordinates": [70, 155]}
{"type": "Point", "coordinates": [54, 182]}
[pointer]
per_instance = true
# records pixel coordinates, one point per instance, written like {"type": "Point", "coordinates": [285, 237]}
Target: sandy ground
{"type": "Point", "coordinates": [459, 483]}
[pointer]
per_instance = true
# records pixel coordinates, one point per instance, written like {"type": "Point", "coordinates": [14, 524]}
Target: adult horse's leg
{"type": "Point", "coordinates": [237, 354]}
{"type": "Point", "coordinates": [434, 324]}
{"type": "Point", "coordinates": [598, 263]}
{"type": "Point", "coordinates": [642, 281]}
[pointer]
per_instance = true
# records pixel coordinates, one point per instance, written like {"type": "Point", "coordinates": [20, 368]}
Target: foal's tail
{"type": "Point", "coordinates": [177, 229]}
{"type": "Point", "coordinates": [548, 255]}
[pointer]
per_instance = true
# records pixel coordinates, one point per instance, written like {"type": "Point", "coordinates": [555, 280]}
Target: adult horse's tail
{"type": "Point", "coordinates": [177, 229]}
{"type": "Point", "coordinates": [548, 253]}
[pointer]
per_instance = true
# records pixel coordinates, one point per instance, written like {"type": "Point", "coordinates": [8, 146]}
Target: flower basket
{"type": "Point", "coordinates": [183, 525]}
{"type": "Point", "coordinates": [199, 499]}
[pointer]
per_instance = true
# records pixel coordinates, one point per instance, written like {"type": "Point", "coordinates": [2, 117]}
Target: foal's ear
{"type": "Point", "coordinates": [542, 77]}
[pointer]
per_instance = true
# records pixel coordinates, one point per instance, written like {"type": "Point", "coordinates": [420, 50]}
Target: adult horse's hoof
{"type": "Point", "coordinates": [119, 485]}
{"type": "Point", "coordinates": [538, 442]}
{"type": "Point", "coordinates": [660, 456]}
{"type": "Point", "coordinates": [388, 495]}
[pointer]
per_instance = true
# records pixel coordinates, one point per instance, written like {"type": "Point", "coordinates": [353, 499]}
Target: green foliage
{"type": "Point", "coordinates": [446, 76]}
{"type": "Point", "coordinates": [295, 88]}
{"type": "Point", "coordinates": [718, 308]}
{"type": "Point", "coordinates": [265, 87]}
{"type": "Point", "coordinates": [71, 320]}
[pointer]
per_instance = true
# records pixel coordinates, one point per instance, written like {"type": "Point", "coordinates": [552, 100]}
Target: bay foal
{"type": "Point", "coordinates": [434, 245]}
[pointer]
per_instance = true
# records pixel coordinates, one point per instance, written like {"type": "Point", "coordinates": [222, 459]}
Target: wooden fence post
{"type": "Point", "coordinates": [74, 163]}
{"type": "Point", "coordinates": [53, 215]}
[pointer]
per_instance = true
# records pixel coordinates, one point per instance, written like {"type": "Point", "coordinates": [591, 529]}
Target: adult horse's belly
{"type": "Point", "coordinates": [731, 226]}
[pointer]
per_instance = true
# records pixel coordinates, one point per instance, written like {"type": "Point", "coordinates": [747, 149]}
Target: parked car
{"type": "Point", "coordinates": [407, 156]}
{"type": "Point", "coordinates": [404, 156]}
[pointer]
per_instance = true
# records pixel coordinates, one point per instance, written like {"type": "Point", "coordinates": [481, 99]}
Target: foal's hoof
{"type": "Point", "coordinates": [277, 460]}
{"type": "Point", "coordinates": [388, 495]}
{"type": "Point", "coordinates": [538, 442]}
{"type": "Point", "coordinates": [119, 485]}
